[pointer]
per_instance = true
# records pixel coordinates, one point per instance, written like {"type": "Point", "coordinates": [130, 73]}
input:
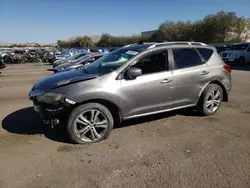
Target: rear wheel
{"type": "Point", "coordinates": [210, 100]}
{"type": "Point", "coordinates": [89, 123]}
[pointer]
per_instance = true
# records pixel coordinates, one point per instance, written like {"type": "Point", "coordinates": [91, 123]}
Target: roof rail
{"type": "Point", "coordinates": [176, 43]}
{"type": "Point", "coordinates": [129, 45]}
{"type": "Point", "coordinates": [139, 43]}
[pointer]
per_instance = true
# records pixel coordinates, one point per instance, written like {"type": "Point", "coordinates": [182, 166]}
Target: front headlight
{"type": "Point", "coordinates": [50, 98]}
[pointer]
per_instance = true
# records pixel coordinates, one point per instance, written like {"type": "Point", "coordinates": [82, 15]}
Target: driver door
{"type": "Point", "coordinates": [152, 91]}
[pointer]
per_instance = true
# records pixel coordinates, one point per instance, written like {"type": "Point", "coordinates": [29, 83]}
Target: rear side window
{"type": "Point", "coordinates": [205, 53]}
{"type": "Point", "coordinates": [186, 57]}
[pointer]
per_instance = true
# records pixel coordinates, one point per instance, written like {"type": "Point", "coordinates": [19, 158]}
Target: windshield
{"type": "Point", "coordinates": [77, 56]}
{"type": "Point", "coordinates": [222, 48]}
{"type": "Point", "coordinates": [82, 58]}
{"type": "Point", "coordinates": [240, 46]}
{"type": "Point", "coordinates": [112, 60]}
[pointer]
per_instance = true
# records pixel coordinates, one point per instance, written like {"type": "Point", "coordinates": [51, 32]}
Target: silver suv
{"type": "Point", "coordinates": [131, 82]}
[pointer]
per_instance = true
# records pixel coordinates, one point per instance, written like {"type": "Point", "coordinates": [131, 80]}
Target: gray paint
{"type": "Point", "coordinates": [151, 93]}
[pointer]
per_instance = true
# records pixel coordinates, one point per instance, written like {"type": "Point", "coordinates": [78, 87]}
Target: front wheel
{"type": "Point", "coordinates": [89, 123]}
{"type": "Point", "coordinates": [210, 100]}
{"type": "Point", "coordinates": [242, 61]}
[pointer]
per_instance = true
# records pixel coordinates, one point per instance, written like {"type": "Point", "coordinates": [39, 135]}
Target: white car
{"type": "Point", "coordinates": [238, 54]}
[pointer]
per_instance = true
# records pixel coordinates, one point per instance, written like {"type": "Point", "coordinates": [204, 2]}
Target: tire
{"type": "Point", "coordinates": [242, 61]}
{"type": "Point", "coordinates": [86, 137]}
{"type": "Point", "coordinates": [202, 106]}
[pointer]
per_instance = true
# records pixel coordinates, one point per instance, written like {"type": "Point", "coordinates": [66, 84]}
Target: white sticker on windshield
{"type": "Point", "coordinates": [132, 52]}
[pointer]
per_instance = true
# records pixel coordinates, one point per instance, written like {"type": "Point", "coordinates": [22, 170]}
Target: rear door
{"type": "Point", "coordinates": [190, 74]}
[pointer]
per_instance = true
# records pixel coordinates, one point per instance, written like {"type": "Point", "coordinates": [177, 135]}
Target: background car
{"type": "Point", "coordinates": [70, 59]}
{"type": "Point", "coordinates": [87, 59]}
{"type": "Point", "coordinates": [2, 64]}
{"type": "Point", "coordinates": [220, 47]}
{"type": "Point", "coordinates": [238, 54]}
{"type": "Point", "coordinates": [64, 55]}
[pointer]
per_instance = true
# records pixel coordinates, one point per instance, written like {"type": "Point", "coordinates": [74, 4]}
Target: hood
{"type": "Point", "coordinates": [63, 78]}
{"type": "Point", "coordinates": [62, 66]}
{"type": "Point", "coordinates": [232, 51]}
{"type": "Point", "coordinates": [58, 62]}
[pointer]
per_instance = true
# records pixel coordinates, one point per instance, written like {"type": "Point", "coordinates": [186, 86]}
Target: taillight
{"type": "Point", "coordinates": [227, 68]}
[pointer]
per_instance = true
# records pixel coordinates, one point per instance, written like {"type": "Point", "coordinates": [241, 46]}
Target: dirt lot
{"type": "Point", "coordinates": [178, 149]}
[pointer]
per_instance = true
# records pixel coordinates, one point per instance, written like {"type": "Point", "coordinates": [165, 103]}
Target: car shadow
{"type": "Point", "coordinates": [27, 122]}
{"type": "Point", "coordinates": [243, 68]}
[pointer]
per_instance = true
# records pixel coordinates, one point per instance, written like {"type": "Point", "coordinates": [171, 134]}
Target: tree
{"type": "Point", "coordinates": [214, 28]}
{"type": "Point", "coordinates": [105, 40]}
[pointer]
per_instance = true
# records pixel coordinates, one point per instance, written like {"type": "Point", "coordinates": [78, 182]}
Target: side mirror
{"type": "Point", "coordinates": [133, 72]}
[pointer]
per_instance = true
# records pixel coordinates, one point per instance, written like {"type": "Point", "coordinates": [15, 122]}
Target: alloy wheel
{"type": "Point", "coordinates": [90, 125]}
{"type": "Point", "coordinates": [213, 101]}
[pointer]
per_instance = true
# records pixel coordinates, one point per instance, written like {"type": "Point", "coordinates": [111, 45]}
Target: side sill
{"type": "Point", "coordinates": [158, 112]}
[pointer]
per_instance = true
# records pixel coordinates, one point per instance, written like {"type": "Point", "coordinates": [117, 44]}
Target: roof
{"type": "Point", "coordinates": [241, 43]}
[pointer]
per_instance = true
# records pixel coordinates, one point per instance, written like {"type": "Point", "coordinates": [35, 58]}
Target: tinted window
{"type": "Point", "coordinates": [153, 63]}
{"type": "Point", "coordinates": [97, 57]}
{"type": "Point", "coordinates": [205, 53]}
{"type": "Point", "coordinates": [186, 57]}
{"type": "Point", "coordinates": [239, 46]}
{"type": "Point", "coordinates": [80, 55]}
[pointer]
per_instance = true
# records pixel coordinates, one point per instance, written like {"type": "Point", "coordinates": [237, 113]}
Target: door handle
{"type": "Point", "coordinates": [165, 81]}
{"type": "Point", "coordinates": [204, 72]}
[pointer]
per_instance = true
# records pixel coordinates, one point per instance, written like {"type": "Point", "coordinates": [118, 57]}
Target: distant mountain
{"type": "Point", "coordinates": [94, 38]}
{"type": "Point", "coordinates": [3, 43]}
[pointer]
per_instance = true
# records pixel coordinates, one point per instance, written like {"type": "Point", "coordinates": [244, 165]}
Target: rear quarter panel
{"type": "Point", "coordinates": [218, 73]}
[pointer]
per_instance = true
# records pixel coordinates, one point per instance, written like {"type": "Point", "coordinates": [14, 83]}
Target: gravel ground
{"type": "Point", "coordinates": [177, 149]}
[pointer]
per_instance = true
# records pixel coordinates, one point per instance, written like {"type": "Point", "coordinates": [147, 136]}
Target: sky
{"type": "Point", "coordinates": [46, 21]}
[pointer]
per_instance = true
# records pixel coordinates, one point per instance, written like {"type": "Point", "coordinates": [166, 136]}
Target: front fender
{"type": "Point", "coordinates": [95, 89]}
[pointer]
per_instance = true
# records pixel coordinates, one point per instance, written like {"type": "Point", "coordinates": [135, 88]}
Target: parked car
{"type": "Point", "coordinates": [65, 55]}
{"type": "Point", "coordinates": [221, 47]}
{"type": "Point", "coordinates": [76, 60]}
{"type": "Point", "coordinates": [76, 64]}
{"type": "Point", "coordinates": [68, 60]}
{"type": "Point", "coordinates": [131, 82]}
{"type": "Point", "coordinates": [238, 54]}
{"type": "Point", "coordinates": [2, 64]}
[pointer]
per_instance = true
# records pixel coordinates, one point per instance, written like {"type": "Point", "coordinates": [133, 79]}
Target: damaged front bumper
{"type": "Point", "coordinates": [52, 114]}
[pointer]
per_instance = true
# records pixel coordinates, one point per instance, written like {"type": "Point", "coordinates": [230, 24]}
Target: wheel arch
{"type": "Point", "coordinates": [225, 95]}
{"type": "Point", "coordinates": [114, 109]}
